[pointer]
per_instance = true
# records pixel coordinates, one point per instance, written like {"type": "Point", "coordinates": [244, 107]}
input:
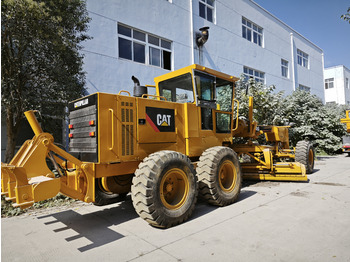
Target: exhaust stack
{"type": "Point", "coordinates": [202, 38]}
{"type": "Point", "coordinates": [138, 90]}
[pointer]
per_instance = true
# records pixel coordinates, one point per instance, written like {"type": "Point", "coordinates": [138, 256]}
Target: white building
{"type": "Point", "coordinates": [337, 86]}
{"type": "Point", "coordinates": [149, 38]}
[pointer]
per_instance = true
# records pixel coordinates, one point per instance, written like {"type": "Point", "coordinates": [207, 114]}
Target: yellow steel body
{"type": "Point", "coordinates": [123, 142]}
{"type": "Point", "coordinates": [346, 120]}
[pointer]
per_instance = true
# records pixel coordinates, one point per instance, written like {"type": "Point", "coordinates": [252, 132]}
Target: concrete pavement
{"type": "Point", "coordinates": [272, 221]}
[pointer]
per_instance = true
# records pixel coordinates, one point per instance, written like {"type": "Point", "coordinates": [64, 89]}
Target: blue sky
{"type": "Point", "coordinates": [319, 21]}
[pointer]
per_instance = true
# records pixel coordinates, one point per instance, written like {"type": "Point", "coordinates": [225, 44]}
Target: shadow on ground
{"type": "Point", "coordinates": [324, 158]}
{"type": "Point", "coordinates": [95, 226]}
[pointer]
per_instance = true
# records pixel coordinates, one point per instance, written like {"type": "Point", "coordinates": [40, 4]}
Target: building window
{"type": "Point", "coordinates": [252, 32]}
{"type": "Point", "coordinates": [136, 46]}
{"type": "Point", "coordinates": [329, 83]}
{"type": "Point", "coordinates": [347, 83]}
{"type": "Point", "coordinates": [303, 58]}
{"type": "Point", "coordinates": [206, 9]}
{"type": "Point", "coordinates": [284, 68]}
{"type": "Point", "coordinates": [258, 76]}
{"type": "Point", "coordinates": [304, 88]}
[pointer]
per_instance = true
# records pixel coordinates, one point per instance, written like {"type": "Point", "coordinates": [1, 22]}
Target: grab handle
{"type": "Point", "coordinates": [112, 122]}
{"type": "Point", "coordinates": [123, 91]}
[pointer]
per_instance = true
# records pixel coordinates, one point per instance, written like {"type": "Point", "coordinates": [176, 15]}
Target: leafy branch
{"type": "Point", "coordinates": [346, 16]}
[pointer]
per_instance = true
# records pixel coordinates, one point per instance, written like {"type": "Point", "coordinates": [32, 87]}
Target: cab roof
{"type": "Point", "coordinates": [189, 69]}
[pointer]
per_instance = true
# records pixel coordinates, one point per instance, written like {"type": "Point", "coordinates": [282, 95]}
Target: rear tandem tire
{"type": "Point", "coordinates": [305, 154]}
{"type": "Point", "coordinates": [164, 189]}
{"type": "Point", "coordinates": [103, 197]}
{"type": "Point", "coordinates": [219, 175]}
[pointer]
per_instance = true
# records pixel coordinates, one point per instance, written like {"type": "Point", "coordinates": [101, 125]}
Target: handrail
{"type": "Point", "coordinates": [124, 91]}
{"type": "Point", "coordinates": [233, 108]}
{"type": "Point", "coordinates": [147, 95]}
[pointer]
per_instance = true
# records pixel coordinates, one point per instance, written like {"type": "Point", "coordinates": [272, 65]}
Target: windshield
{"type": "Point", "coordinates": [178, 89]}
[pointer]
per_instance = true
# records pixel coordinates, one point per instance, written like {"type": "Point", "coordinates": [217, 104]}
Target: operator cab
{"type": "Point", "coordinates": [209, 89]}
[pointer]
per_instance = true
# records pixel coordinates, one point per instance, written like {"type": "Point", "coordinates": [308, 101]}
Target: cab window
{"type": "Point", "coordinates": [205, 85]}
{"type": "Point", "coordinates": [178, 89]}
{"type": "Point", "coordinates": [224, 94]}
{"type": "Point", "coordinates": [223, 122]}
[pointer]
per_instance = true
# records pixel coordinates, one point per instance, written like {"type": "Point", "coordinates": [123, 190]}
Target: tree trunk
{"type": "Point", "coordinates": [12, 124]}
{"type": "Point", "coordinates": [11, 144]}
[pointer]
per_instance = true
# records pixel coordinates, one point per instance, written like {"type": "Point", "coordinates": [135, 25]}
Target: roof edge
{"type": "Point", "coordinates": [279, 20]}
{"type": "Point", "coordinates": [331, 67]}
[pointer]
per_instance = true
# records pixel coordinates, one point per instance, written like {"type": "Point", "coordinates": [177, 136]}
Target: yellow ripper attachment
{"type": "Point", "coordinates": [27, 179]}
{"type": "Point", "coordinates": [262, 167]}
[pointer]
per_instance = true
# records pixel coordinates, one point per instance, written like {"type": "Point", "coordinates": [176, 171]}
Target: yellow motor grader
{"type": "Point", "coordinates": [346, 139]}
{"type": "Point", "coordinates": [164, 148]}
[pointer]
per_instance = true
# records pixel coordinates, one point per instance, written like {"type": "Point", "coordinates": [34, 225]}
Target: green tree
{"type": "Point", "coordinates": [346, 17]}
{"type": "Point", "coordinates": [307, 114]}
{"type": "Point", "coordinates": [314, 120]}
{"type": "Point", "coordinates": [266, 102]}
{"type": "Point", "coordinates": [41, 64]}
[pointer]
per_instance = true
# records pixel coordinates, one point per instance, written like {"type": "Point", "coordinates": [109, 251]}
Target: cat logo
{"type": "Point", "coordinates": [161, 119]}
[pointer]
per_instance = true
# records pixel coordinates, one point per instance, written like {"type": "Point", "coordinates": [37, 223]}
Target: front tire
{"type": "Point", "coordinates": [164, 189]}
{"type": "Point", "coordinates": [219, 175]}
{"type": "Point", "coordinates": [305, 154]}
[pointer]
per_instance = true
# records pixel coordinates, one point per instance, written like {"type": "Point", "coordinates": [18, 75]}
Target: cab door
{"type": "Point", "coordinates": [206, 101]}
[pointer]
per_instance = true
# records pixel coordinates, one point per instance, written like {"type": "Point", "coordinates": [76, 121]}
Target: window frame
{"type": "Point", "coordinates": [258, 78]}
{"type": "Point", "coordinates": [207, 6]}
{"type": "Point", "coordinates": [255, 32]}
{"type": "Point", "coordinates": [303, 59]}
{"type": "Point", "coordinates": [328, 82]}
{"type": "Point", "coordinates": [164, 45]}
{"type": "Point", "coordinates": [304, 88]}
{"type": "Point", "coordinates": [285, 68]}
